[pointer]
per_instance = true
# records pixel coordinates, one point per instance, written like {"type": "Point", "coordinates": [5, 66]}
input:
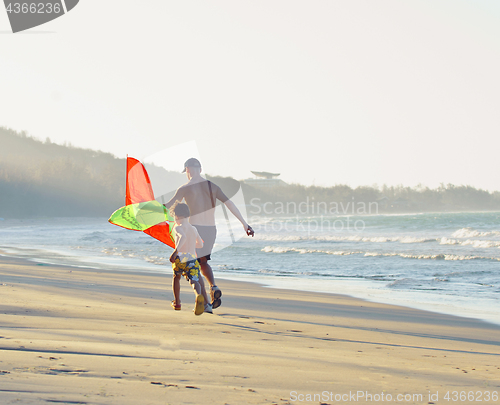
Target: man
{"type": "Point", "coordinates": [201, 197]}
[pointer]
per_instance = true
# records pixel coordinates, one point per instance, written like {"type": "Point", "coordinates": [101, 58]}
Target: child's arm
{"type": "Point", "coordinates": [178, 239]}
{"type": "Point", "coordinates": [173, 256]}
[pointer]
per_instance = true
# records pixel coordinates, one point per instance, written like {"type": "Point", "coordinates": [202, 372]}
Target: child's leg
{"type": "Point", "coordinates": [199, 306]}
{"type": "Point", "coordinates": [196, 287]}
{"type": "Point", "coordinates": [176, 287]}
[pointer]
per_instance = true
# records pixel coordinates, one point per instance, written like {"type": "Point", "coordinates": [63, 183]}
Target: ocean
{"type": "Point", "coordinates": [442, 262]}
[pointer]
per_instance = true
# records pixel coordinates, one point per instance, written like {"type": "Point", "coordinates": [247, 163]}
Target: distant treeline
{"type": "Point", "coordinates": [44, 179]}
{"type": "Point", "coordinates": [342, 199]}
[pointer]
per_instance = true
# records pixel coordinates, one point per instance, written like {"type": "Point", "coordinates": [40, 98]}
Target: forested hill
{"type": "Point", "coordinates": [44, 179]}
{"type": "Point", "coordinates": [40, 179]}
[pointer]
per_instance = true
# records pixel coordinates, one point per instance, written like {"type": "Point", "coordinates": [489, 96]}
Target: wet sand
{"type": "Point", "coordinates": [86, 336]}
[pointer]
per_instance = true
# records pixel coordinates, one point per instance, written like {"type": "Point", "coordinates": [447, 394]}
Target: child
{"type": "Point", "coordinates": [183, 258]}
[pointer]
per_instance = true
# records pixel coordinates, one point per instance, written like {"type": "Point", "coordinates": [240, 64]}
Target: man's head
{"type": "Point", "coordinates": [192, 163]}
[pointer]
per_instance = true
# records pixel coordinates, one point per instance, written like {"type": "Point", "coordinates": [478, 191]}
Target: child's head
{"type": "Point", "coordinates": [180, 210]}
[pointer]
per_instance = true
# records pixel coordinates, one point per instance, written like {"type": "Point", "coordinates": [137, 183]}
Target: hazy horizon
{"type": "Point", "coordinates": [357, 93]}
{"type": "Point", "coordinates": [174, 167]}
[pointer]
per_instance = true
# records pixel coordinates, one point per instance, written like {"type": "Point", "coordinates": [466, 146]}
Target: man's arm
{"type": "Point", "coordinates": [236, 212]}
{"type": "Point", "coordinates": [178, 196]}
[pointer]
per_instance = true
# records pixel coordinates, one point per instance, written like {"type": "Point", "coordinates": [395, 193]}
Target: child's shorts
{"type": "Point", "coordinates": [187, 268]}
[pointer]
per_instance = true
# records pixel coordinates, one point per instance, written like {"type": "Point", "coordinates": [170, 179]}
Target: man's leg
{"type": "Point", "coordinates": [206, 270]}
{"type": "Point", "coordinates": [215, 292]}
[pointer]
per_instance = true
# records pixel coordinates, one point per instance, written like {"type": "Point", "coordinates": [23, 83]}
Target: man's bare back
{"type": "Point", "coordinates": [201, 196]}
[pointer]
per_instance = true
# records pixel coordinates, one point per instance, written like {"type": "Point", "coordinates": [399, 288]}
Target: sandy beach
{"type": "Point", "coordinates": [86, 336]}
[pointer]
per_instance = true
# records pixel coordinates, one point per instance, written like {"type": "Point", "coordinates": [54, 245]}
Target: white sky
{"type": "Point", "coordinates": [323, 92]}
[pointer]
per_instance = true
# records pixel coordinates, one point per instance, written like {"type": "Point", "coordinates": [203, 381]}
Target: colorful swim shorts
{"type": "Point", "coordinates": [187, 268]}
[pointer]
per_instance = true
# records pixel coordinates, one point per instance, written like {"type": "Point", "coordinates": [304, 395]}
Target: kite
{"type": "Point", "coordinates": [141, 211]}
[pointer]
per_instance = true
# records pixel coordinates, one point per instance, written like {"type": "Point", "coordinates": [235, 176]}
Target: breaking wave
{"type": "Point", "coordinates": [454, 240]}
{"type": "Point", "coordinates": [278, 249]}
{"type": "Point", "coordinates": [353, 238]}
{"type": "Point", "coordinates": [472, 233]}
{"type": "Point", "coordinates": [476, 243]}
{"type": "Point", "coordinates": [439, 256]}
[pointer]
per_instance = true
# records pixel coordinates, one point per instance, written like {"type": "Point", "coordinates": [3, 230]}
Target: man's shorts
{"type": "Point", "coordinates": [187, 268]}
{"type": "Point", "coordinates": [208, 234]}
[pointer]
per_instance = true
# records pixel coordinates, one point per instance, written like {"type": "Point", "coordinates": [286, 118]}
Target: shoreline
{"type": "Point", "coordinates": [371, 294]}
{"type": "Point", "coordinates": [105, 337]}
{"type": "Point", "coordinates": [259, 283]}
{"type": "Point", "coordinates": [358, 290]}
